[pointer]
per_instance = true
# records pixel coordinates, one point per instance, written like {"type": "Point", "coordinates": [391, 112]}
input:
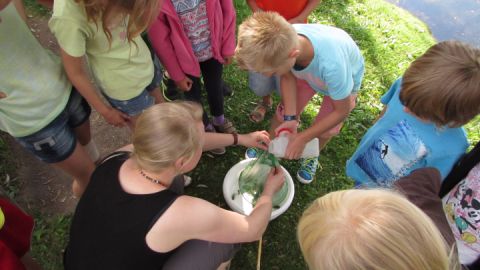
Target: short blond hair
{"type": "Point", "coordinates": [370, 229]}
{"type": "Point", "coordinates": [166, 132]}
{"type": "Point", "coordinates": [443, 85]}
{"type": "Point", "coordinates": [265, 40]}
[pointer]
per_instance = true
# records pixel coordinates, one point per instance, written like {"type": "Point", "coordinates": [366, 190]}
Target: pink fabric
{"type": "Point", "coordinates": [304, 95]}
{"type": "Point", "coordinates": [15, 236]}
{"type": "Point", "coordinates": [173, 47]}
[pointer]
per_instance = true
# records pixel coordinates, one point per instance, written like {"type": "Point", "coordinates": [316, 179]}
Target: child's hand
{"type": "Point", "coordinates": [274, 183]}
{"type": "Point", "coordinates": [257, 139]}
{"type": "Point", "coordinates": [115, 117]}
{"type": "Point", "coordinates": [185, 84]}
{"type": "Point", "coordinates": [228, 59]}
{"type": "Point", "coordinates": [2, 95]}
{"type": "Point", "coordinates": [295, 147]}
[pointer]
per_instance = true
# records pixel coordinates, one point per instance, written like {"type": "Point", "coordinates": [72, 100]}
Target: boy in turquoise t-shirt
{"type": "Point", "coordinates": [310, 59]}
{"type": "Point", "coordinates": [421, 124]}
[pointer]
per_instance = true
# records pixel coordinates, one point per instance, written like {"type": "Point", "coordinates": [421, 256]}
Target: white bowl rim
{"type": "Point", "coordinates": [227, 188]}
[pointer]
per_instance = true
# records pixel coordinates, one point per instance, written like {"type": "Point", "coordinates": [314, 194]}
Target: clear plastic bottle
{"type": "Point", "coordinates": [278, 146]}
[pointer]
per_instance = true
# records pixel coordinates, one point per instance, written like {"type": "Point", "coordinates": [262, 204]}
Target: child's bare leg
{"type": "Point", "coordinates": [84, 137]}
{"type": "Point", "coordinates": [267, 100]}
{"type": "Point", "coordinates": [322, 142]}
{"type": "Point", "coordinates": [157, 95]}
{"type": "Point", "coordinates": [80, 166]}
{"type": "Point", "coordinates": [83, 133]}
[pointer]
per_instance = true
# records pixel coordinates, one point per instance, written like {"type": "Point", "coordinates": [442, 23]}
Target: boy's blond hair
{"type": "Point", "coordinates": [265, 40]}
{"type": "Point", "coordinates": [443, 85]}
{"type": "Point", "coordinates": [369, 229]}
{"type": "Point", "coordinates": [166, 132]}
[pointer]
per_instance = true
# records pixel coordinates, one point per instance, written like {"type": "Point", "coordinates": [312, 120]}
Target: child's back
{"type": "Point", "coordinates": [421, 126]}
{"type": "Point", "coordinates": [337, 66]}
{"type": "Point", "coordinates": [122, 70]}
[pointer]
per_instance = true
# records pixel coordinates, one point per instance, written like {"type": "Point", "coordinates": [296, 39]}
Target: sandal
{"type": "Point", "coordinates": [258, 113]}
{"type": "Point", "coordinates": [227, 127]}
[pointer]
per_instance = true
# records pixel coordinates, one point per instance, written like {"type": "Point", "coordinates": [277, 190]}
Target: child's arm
{"type": "Point", "coordinates": [302, 17]}
{"type": "Point", "coordinates": [76, 72]}
{"type": "Point", "coordinates": [252, 4]}
{"type": "Point", "coordinates": [212, 223]}
{"type": "Point", "coordinates": [288, 90]}
{"type": "Point", "coordinates": [257, 139]}
{"type": "Point", "coordinates": [159, 35]}
{"type": "Point", "coordinates": [229, 25]}
{"type": "Point", "coordinates": [20, 9]}
{"type": "Point", "coordinates": [342, 109]}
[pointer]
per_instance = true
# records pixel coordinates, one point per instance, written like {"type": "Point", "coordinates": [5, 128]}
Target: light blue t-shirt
{"type": "Point", "coordinates": [399, 143]}
{"type": "Point", "coordinates": [337, 66]}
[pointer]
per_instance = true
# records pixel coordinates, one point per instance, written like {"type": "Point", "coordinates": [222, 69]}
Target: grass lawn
{"type": "Point", "coordinates": [389, 38]}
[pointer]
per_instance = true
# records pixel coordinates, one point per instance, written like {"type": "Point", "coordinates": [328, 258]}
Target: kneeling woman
{"type": "Point", "coordinates": [130, 217]}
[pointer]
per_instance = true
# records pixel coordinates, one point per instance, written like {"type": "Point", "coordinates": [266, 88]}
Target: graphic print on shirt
{"type": "Point", "coordinates": [462, 208]}
{"type": "Point", "coordinates": [193, 14]}
{"type": "Point", "coordinates": [392, 155]}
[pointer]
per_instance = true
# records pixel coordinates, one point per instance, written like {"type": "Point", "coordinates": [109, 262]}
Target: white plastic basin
{"type": "Point", "coordinates": [238, 203]}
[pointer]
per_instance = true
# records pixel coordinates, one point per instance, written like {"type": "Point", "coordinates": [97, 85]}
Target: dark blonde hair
{"type": "Point", "coordinates": [166, 132]}
{"type": "Point", "coordinates": [265, 39]}
{"type": "Point", "coordinates": [370, 229]}
{"type": "Point", "coordinates": [443, 85]}
{"type": "Point", "coordinates": [142, 13]}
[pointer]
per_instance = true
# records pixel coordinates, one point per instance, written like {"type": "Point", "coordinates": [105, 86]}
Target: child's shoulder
{"type": "Point", "coordinates": [69, 9]}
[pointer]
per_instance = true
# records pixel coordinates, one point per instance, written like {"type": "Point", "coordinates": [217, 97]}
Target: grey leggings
{"type": "Point", "coordinates": [198, 254]}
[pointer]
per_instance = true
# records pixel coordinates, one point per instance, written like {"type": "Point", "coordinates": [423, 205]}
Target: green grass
{"type": "Point", "coordinates": [49, 239]}
{"type": "Point", "coordinates": [389, 38]}
{"type": "Point", "coordinates": [8, 181]}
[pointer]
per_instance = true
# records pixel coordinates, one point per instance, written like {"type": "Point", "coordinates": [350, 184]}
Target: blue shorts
{"type": "Point", "coordinates": [262, 85]}
{"type": "Point", "coordinates": [144, 100]}
{"type": "Point", "coordinates": [134, 106]}
{"type": "Point", "coordinates": [57, 141]}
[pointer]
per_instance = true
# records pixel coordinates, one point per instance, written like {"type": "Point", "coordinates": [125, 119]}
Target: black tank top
{"type": "Point", "coordinates": [109, 226]}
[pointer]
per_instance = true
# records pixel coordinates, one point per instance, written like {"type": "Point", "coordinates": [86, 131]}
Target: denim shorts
{"type": "Point", "coordinates": [133, 106]}
{"type": "Point", "coordinates": [57, 141]}
{"type": "Point", "coordinates": [262, 85]}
